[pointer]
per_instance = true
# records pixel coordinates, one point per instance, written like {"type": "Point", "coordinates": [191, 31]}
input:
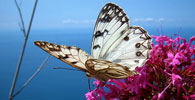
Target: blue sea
{"type": "Point", "coordinates": [52, 84]}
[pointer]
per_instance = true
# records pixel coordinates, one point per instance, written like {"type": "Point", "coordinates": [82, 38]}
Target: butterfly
{"type": "Point", "coordinates": [117, 48]}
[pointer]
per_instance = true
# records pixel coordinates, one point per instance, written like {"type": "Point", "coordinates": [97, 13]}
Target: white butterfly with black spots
{"type": "Point", "coordinates": [117, 48]}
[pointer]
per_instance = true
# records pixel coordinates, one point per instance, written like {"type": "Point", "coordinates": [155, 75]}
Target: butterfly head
{"type": "Point", "coordinates": [88, 75]}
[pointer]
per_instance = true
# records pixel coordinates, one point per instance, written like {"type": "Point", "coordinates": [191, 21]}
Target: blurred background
{"type": "Point", "coordinates": [71, 22]}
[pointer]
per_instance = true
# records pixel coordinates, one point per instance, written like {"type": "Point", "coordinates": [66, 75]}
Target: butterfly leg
{"type": "Point", "coordinates": [89, 85]}
{"type": "Point", "coordinates": [101, 84]}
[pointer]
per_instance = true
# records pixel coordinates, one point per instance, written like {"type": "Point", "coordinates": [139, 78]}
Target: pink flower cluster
{"type": "Point", "coordinates": [168, 74]}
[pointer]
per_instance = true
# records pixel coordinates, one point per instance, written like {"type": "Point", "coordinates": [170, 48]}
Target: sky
{"type": "Point", "coordinates": [60, 14]}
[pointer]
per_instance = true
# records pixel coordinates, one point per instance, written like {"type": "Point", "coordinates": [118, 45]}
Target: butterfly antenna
{"type": "Point", "coordinates": [66, 68]}
{"type": "Point", "coordinates": [89, 85]}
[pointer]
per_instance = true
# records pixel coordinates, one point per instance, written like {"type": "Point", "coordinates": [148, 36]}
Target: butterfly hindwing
{"type": "Point", "coordinates": [73, 56]}
{"type": "Point", "coordinates": [104, 70]}
{"type": "Point", "coordinates": [134, 50]}
{"type": "Point", "coordinates": [112, 25]}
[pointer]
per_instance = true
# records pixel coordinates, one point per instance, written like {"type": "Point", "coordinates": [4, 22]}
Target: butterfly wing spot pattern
{"type": "Point", "coordinates": [117, 48]}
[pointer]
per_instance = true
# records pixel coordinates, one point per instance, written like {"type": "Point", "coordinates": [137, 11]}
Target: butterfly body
{"type": "Point", "coordinates": [117, 48]}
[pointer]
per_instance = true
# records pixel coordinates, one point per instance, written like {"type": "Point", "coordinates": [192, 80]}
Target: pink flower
{"type": "Point", "coordinates": [160, 95]}
{"type": "Point", "coordinates": [168, 74]}
{"type": "Point", "coordinates": [175, 60]}
{"type": "Point", "coordinates": [175, 78]}
{"type": "Point", "coordinates": [91, 96]}
{"type": "Point", "coordinates": [172, 60]}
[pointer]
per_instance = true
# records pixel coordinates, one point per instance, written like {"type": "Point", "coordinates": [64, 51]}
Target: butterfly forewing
{"type": "Point", "coordinates": [112, 25]}
{"type": "Point", "coordinates": [73, 56]}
